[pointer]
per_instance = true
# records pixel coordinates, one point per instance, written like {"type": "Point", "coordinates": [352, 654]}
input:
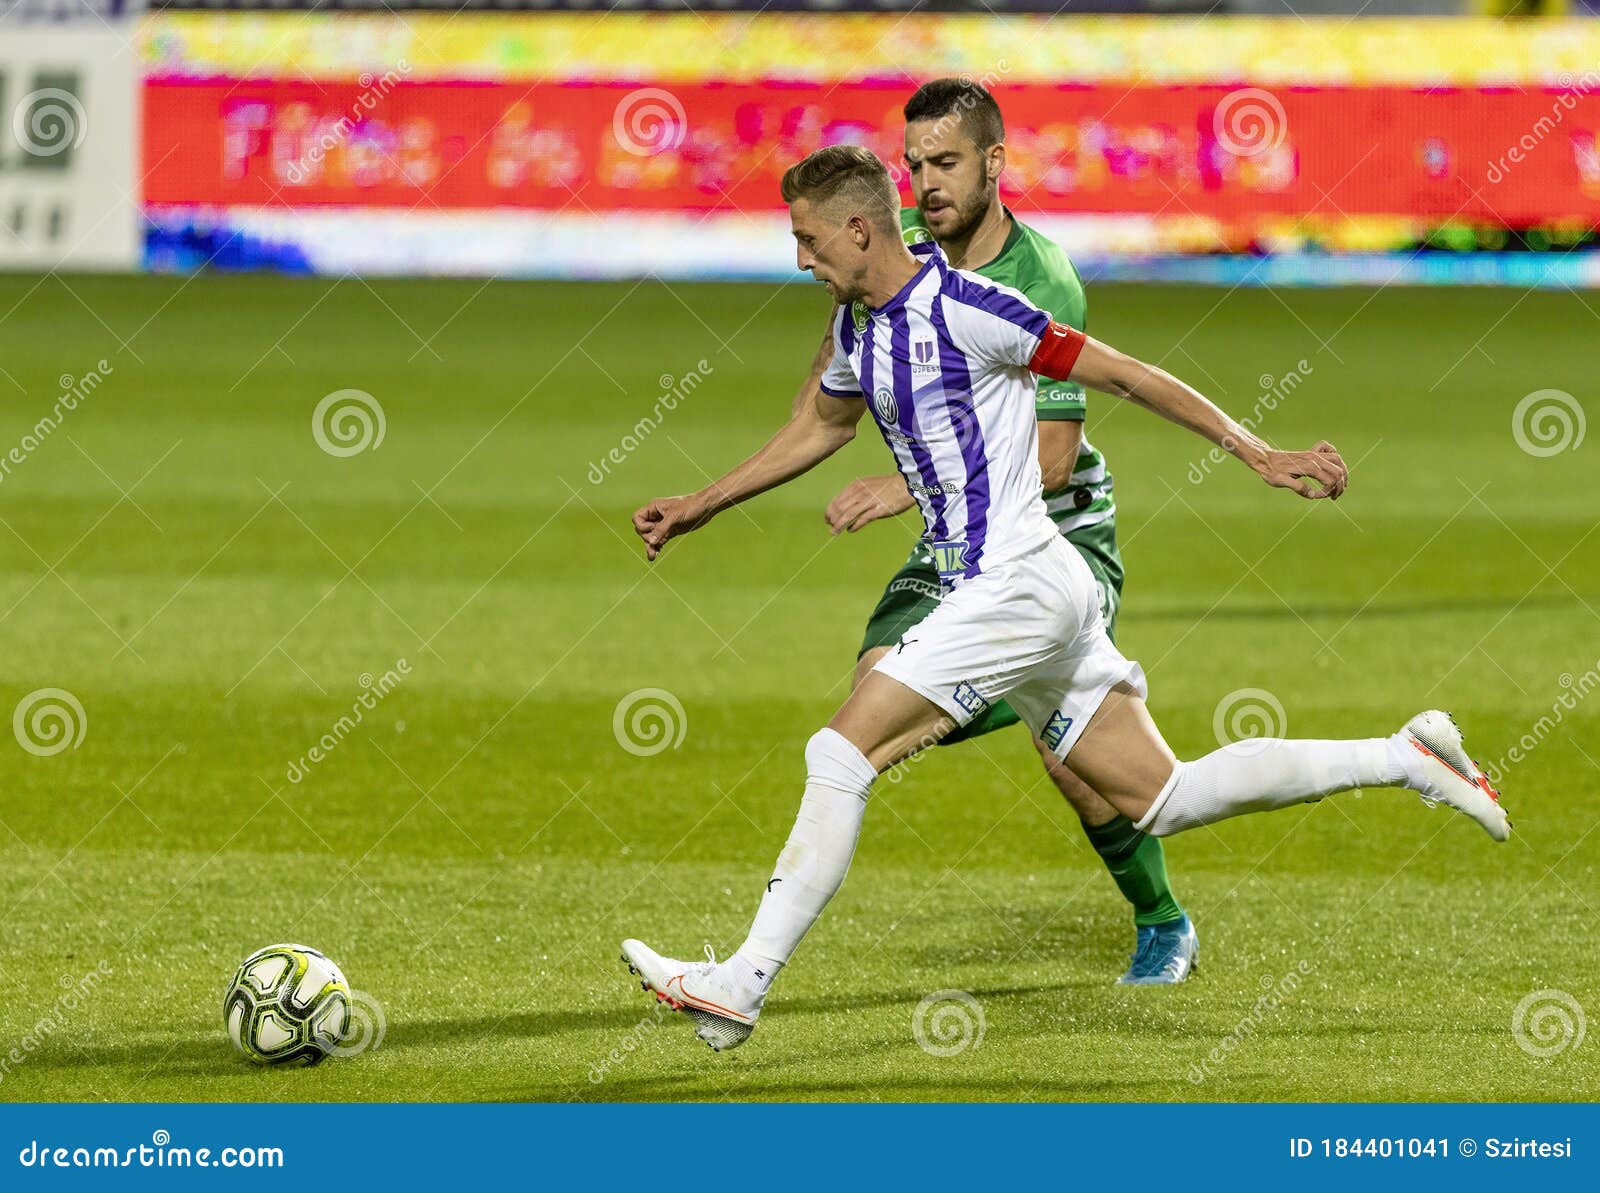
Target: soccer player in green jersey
{"type": "Point", "coordinates": [955, 152]}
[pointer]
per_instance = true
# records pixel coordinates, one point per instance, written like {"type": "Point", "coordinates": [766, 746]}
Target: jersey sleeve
{"type": "Point", "coordinates": [839, 379]}
{"type": "Point", "coordinates": [993, 323]}
{"type": "Point", "coordinates": [1063, 297]}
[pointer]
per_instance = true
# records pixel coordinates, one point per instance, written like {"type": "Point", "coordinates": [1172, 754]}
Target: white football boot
{"type": "Point", "coordinates": [1443, 774]}
{"type": "Point", "coordinates": [724, 1014]}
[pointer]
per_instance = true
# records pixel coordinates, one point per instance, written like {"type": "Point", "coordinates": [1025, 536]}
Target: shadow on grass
{"type": "Point", "coordinates": [761, 1074]}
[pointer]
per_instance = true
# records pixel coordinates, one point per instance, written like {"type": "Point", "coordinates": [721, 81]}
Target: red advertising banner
{"type": "Point", "coordinates": [1235, 155]}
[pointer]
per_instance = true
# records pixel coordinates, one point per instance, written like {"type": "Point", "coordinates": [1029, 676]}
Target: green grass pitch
{"type": "Point", "coordinates": [182, 558]}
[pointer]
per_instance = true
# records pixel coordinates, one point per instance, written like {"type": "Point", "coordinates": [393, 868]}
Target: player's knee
{"type": "Point", "coordinates": [1147, 803]}
{"type": "Point", "coordinates": [833, 760]}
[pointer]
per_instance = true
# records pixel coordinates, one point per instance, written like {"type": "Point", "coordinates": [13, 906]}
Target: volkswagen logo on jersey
{"type": "Point", "coordinates": [888, 409]}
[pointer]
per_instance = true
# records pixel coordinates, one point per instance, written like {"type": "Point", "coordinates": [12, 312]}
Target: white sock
{"type": "Point", "coordinates": [1266, 773]}
{"type": "Point", "coordinates": [813, 862]}
{"type": "Point", "coordinates": [749, 974]}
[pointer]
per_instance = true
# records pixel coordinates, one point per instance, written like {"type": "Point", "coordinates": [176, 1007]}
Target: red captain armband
{"type": "Point", "coordinates": [1057, 351]}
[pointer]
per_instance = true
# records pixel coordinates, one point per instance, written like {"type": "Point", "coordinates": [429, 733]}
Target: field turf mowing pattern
{"type": "Point", "coordinates": [211, 586]}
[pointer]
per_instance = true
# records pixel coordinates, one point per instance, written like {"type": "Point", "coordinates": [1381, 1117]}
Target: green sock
{"type": "Point", "coordinates": [1139, 868]}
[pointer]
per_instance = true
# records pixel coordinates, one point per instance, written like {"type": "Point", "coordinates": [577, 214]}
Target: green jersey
{"type": "Point", "coordinates": [1040, 269]}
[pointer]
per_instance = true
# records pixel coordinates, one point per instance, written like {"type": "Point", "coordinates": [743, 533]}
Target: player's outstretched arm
{"type": "Point", "coordinates": [812, 385]}
{"type": "Point", "coordinates": [1320, 472]}
{"type": "Point", "coordinates": [814, 433]}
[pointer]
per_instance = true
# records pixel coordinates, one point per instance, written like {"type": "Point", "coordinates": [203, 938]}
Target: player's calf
{"type": "Point", "coordinates": [1427, 755]}
{"type": "Point", "coordinates": [1123, 756]}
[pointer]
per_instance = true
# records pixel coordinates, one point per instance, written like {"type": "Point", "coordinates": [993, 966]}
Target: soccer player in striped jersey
{"type": "Point", "coordinates": [955, 153]}
{"type": "Point", "coordinates": [945, 366]}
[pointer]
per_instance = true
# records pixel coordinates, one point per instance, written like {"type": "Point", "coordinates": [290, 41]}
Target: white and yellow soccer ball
{"type": "Point", "coordinates": [287, 1005]}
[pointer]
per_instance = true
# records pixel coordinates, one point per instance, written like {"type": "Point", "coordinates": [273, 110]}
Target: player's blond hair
{"type": "Point", "coordinates": [841, 175]}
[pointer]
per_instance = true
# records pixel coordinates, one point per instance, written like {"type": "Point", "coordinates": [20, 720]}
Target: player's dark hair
{"type": "Point", "coordinates": [963, 99]}
{"type": "Point", "coordinates": [846, 172]}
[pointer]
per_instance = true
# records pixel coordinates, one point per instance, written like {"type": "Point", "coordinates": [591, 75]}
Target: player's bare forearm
{"type": "Point", "coordinates": [1102, 367]}
{"type": "Point", "coordinates": [813, 434]}
{"type": "Point", "coordinates": [1320, 472]}
{"type": "Point", "coordinates": [810, 437]}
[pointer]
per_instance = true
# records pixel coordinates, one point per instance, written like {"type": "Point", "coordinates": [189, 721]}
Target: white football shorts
{"type": "Point", "coordinates": [1028, 631]}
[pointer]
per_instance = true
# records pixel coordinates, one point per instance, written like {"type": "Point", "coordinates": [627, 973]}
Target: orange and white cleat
{"type": "Point", "coordinates": [724, 1014]}
{"type": "Point", "coordinates": [1444, 774]}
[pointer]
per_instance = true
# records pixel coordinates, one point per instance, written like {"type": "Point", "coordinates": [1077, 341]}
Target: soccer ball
{"type": "Point", "coordinates": [287, 1005]}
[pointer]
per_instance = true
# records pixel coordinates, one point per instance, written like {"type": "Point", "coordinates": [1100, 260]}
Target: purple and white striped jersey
{"type": "Point", "coordinates": [944, 367]}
